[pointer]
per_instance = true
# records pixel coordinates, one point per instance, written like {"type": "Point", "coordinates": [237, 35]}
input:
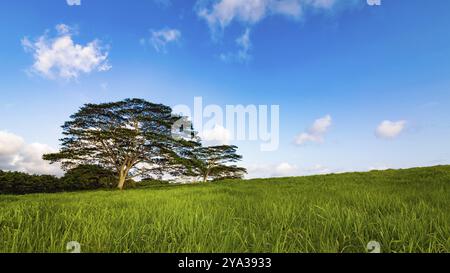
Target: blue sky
{"type": "Point", "coordinates": [359, 86]}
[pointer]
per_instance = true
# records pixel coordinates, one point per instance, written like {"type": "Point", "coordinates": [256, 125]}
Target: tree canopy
{"type": "Point", "coordinates": [136, 138]}
{"type": "Point", "coordinates": [213, 163]}
{"type": "Point", "coordinates": [133, 137]}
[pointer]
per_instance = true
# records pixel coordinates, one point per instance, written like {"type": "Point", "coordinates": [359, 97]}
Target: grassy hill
{"type": "Point", "coordinates": [405, 210]}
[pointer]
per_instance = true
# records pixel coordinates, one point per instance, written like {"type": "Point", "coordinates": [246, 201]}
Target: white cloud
{"type": "Point", "coordinates": [161, 38]}
{"type": "Point", "coordinates": [9, 143]}
{"type": "Point", "coordinates": [216, 136]}
{"type": "Point", "coordinates": [390, 129]}
{"type": "Point", "coordinates": [73, 2]}
{"type": "Point", "coordinates": [284, 169]}
{"type": "Point", "coordinates": [219, 14]}
{"type": "Point", "coordinates": [316, 132]}
{"type": "Point", "coordinates": [63, 29]}
{"type": "Point", "coordinates": [223, 12]}
{"type": "Point", "coordinates": [16, 155]}
{"type": "Point", "coordinates": [378, 168]}
{"type": "Point", "coordinates": [288, 7]}
{"type": "Point", "coordinates": [244, 43]}
{"type": "Point", "coordinates": [61, 57]}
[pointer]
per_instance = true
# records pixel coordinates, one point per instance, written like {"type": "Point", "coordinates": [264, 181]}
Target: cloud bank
{"type": "Point", "coordinates": [284, 169]}
{"type": "Point", "coordinates": [16, 155]}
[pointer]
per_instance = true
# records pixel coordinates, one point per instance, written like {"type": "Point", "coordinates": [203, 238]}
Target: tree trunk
{"type": "Point", "coordinates": [205, 176]}
{"type": "Point", "coordinates": [123, 174]}
{"type": "Point", "coordinates": [122, 179]}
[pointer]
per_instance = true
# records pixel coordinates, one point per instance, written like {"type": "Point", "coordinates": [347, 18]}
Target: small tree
{"type": "Point", "coordinates": [213, 163]}
{"type": "Point", "coordinates": [131, 137]}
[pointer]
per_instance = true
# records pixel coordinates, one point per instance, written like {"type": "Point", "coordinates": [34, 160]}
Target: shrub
{"type": "Point", "coordinates": [89, 177]}
{"type": "Point", "coordinates": [151, 183]}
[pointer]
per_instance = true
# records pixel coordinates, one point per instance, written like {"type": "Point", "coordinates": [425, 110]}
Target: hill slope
{"type": "Point", "coordinates": [406, 211]}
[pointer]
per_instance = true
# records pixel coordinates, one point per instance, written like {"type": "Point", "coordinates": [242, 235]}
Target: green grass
{"type": "Point", "coordinates": [406, 211]}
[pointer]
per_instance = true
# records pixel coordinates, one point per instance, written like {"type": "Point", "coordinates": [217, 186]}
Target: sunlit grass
{"type": "Point", "coordinates": [406, 211]}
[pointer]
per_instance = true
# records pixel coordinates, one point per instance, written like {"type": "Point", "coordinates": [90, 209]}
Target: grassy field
{"type": "Point", "coordinates": [406, 211]}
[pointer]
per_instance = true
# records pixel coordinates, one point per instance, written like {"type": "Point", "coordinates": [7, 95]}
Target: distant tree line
{"type": "Point", "coordinates": [81, 178]}
{"type": "Point", "coordinates": [108, 145]}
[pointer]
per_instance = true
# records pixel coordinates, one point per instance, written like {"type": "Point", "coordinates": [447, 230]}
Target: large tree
{"type": "Point", "coordinates": [215, 163]}
{"type": "Point", "coordinates": [131, 137]}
